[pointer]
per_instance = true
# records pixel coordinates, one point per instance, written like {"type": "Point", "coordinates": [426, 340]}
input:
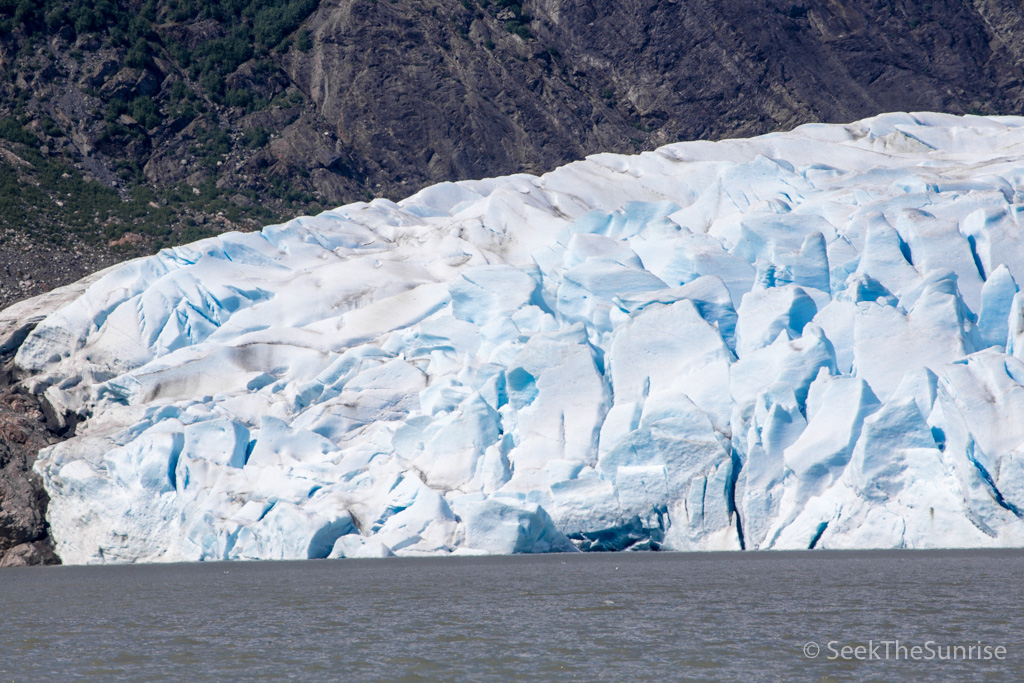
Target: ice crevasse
{"type": "Point", "coordinates": [805, 339]}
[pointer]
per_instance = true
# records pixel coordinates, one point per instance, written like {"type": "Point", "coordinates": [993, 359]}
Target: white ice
{"type": "Point", "coordinates": [806, 339]}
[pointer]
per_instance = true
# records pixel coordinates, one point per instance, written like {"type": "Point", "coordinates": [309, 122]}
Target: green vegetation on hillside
{"type": "Point", "coordinates": [173, 61]}
{"type": "Point", "coordinates": [37, 190]}
{"type": "Point", "coordinates": [518, 24]}
{"type": "Point", "coordinates": [247, 29]}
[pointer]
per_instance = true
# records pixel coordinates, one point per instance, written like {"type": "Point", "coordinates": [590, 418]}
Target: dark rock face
{"type": "Point", "coordinates": [431, 102]}
{"type": "Point", "coordinates": [24, 533]}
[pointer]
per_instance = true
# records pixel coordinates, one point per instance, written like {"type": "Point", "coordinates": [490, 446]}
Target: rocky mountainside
{"type": "Point", "coordinates": [126, 126]}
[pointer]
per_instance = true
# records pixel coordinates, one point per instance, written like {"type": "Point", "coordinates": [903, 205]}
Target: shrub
{"type": "Point", "coordinates": [11, 129]}
{"type": "Point", "coordinates": [255, 137]}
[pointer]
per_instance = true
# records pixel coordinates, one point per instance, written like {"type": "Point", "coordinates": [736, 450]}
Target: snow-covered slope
{"type": "Point", "coordinates": [804, 339]}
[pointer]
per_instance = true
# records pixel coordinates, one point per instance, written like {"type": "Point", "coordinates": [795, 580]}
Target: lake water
{"type": "Point", "coordinates": [626, 616]}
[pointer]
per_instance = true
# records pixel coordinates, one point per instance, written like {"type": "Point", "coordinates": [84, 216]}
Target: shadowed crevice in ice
{"type": "Point", "coordinates": [817, 535]}
{"type": "Point", "coordinates": [632, 535]}
{"type": "Point", "coordinates": [990, 483]}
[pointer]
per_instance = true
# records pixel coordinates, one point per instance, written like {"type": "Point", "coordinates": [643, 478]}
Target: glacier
{"type": "Point", "coordinates": [809, 339]}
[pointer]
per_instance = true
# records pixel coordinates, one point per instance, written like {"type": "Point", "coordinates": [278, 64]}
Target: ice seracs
{"type": "Point", "coordinates": [806, 339]}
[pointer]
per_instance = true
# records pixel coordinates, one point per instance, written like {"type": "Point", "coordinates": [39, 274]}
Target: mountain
{"type": "Point", "coordinates": [129, 126]}
{"type": "Point", "coordinates": [811, 339]}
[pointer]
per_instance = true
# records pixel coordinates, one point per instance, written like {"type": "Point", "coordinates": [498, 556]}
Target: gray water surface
{"type": "Point", "coordinates": [626, 616]}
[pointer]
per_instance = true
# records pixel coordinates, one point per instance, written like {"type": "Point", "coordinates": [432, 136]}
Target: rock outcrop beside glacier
{"type": "Point", "coordinates": [806, 339]}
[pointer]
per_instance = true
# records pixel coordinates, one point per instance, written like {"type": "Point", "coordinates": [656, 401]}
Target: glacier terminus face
{"type": "Point", "coordinates": [805, 339]}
